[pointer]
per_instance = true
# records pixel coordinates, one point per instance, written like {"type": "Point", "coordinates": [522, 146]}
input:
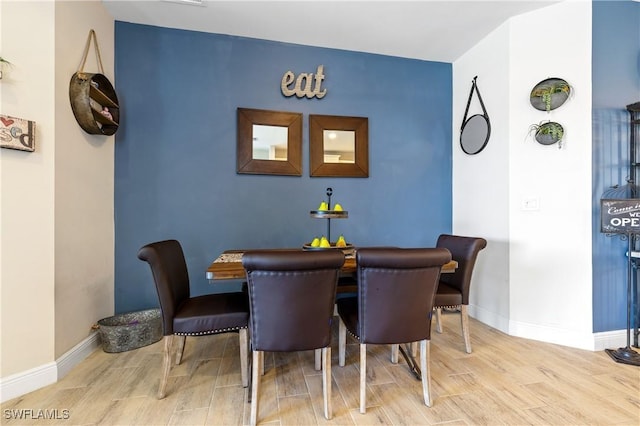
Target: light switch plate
{"type": "Point", "coordinates": [531, 203]}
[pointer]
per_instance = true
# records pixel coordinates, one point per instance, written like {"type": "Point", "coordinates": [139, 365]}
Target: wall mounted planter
{"type": "Point", "coordinates": [3, 62]}
{"type": "Point", "coordinates": [547, 133]}
{"type": "Point", "coordinates": [550, 94]}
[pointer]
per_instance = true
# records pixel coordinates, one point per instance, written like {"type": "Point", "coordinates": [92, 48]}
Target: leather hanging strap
{"type": "Point", "coordinates": [92, 36]}
{"type": "Point", "coordinates": [474, 87]}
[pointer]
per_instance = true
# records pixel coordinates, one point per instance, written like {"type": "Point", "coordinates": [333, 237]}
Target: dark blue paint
{"type": "Point", "coordinates": [616, 83]}
{"type": "Point", "coordinates": [175, 172]}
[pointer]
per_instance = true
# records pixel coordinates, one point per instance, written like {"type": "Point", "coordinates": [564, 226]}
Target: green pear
{"type": "Point", "coordinates": [337, 208]}
{"type": "Point", "coordinates": [323, 206]}
{"type": "Point", "coordinates": [315, 242]}
{"type": "Point", "coordinates": [324, 242]}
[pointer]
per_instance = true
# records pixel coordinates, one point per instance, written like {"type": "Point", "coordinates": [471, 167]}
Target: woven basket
{"type": "Point", "coordinates": [129, 331]}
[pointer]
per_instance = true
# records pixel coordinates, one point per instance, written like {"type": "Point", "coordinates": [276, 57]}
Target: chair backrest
{"type": "Point", "coordinates": [464, 250]}
{"type": "Point", "coordinates": [396, 290]}
{"type": "Point", "coordinates": [291, 298]}
{"type": "Point", "coordinates": [170, 275]}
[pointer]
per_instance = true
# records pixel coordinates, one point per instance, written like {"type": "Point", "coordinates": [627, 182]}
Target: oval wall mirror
{"type": "Point", "coordinates": [476, 130]}
{"type": "Point", "coordinates": [475, 134]}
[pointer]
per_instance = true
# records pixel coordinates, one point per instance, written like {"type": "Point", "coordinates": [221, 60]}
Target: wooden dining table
{"type": "Point", "coordinates": [228, 266]}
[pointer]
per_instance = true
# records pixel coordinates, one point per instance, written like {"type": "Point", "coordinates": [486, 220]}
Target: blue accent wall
{"type": "Point", "coordinates": [616, 84]}
{"type": "Point", "coordinates": [175, 155]}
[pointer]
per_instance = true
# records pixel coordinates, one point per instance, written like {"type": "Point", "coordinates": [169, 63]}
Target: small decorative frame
{"type": "Point", "coordinates": [17, 133]}
{"type": "Point", "coordinates": [317, 126]}
{"type": "Point", "coordinates": [247, 118]}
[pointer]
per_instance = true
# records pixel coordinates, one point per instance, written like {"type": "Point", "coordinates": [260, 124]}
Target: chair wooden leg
{"type": "Point", "coordinates": [464, 319]}
{"type": "Point", "coordinates": [342, 342]}
{"type": "Point", "coordinates": [258, 361]}
{"type": "Point", "coordinates": [425, 361]}
{"type": "Point", "coordinates": [180, 350]}
{"type": "Point", "coordinates": [394, 353]}
{"type": "Point", "coordinates": [244, 356]}
{"type": "Point", "coordinates": [318, 359]}
{"type": "Point", "coordinates": [414, 348]}
{"type": "Point", "coordinates": [363, 378]}
{"type": "Point", "coordinates": [439, 320]}
{"type": "Point", "coordinates": [166, 366]}
{"type": "Point", "coordinates": [326, 382]}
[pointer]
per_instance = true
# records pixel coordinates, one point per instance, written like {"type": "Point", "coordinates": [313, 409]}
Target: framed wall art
{"type": "Point", "coordinates": [17, 133]}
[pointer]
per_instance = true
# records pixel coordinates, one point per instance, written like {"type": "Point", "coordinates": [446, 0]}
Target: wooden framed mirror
{"type": "Point", "coordinates": [269, 142]}
{"type": "Point", "coordinates": [338, 146]}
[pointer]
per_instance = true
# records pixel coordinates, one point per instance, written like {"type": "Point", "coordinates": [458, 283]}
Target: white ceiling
{"type": "Point", "coordinates": [429, 30]}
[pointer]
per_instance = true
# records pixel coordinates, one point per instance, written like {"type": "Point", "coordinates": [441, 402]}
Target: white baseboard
{"type": "Point", "coordinates": [555, 335]}
{"type": "Point", "coordinates": [76, 354]}
{"type": "Point", "coordinates": [21, 383]}
{"type": "Point", "coordinates": [589, 341]}
{"type": "Point", "coordinates": [490, 318]}
{"type": "Point", "coordinates": [611, 340]}
{"type": "Point", "coordinates": [28, 381]}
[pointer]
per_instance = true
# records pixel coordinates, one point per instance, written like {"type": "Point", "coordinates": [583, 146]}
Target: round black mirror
{"type": "Point", "coordinates": [475, 130]}
{"type": "Point", "coordinates": [475, 134]}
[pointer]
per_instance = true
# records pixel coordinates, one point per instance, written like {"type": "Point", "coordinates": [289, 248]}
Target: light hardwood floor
{"type": "Point", "coordinates": [506, 380]}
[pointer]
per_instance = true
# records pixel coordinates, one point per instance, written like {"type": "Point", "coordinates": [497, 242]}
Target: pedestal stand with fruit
{"type": "Point", "coordinates": [325, 211]}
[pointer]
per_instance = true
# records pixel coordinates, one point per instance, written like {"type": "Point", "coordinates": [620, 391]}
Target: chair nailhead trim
{"type": "Point", "coordinates": [202, 333]}
{"type": "Point", "coordinates": [354, 336]}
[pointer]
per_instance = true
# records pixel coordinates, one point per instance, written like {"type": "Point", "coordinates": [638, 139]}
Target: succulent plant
{"type": "Point", "coordinates": [2, 62]}
{"type": "Point", "coordinates": [547, 133]}
{"type": "Point", "coordinates": [545, 91]}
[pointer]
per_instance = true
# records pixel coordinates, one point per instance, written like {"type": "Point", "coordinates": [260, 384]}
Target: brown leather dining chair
{"type": "Point", "coordinates": [453, 289]}
{"type": "Point", "coordinates": [396, 290]}
{"type": "Point", "coordinates": [184, 315]}
{"type": "Point", "coordinates": [292, 295]}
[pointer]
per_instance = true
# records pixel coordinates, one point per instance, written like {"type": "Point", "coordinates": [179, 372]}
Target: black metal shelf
{"type": "Point", "coordinates": [634, 178]}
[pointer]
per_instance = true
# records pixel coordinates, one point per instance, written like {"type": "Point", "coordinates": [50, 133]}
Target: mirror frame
{"type": "Point", "coordinates": [466, 146]}
{"type": "Point", "coordinates": [317, 125]}
{"type": "Point", "coordinates": [247, 117]}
